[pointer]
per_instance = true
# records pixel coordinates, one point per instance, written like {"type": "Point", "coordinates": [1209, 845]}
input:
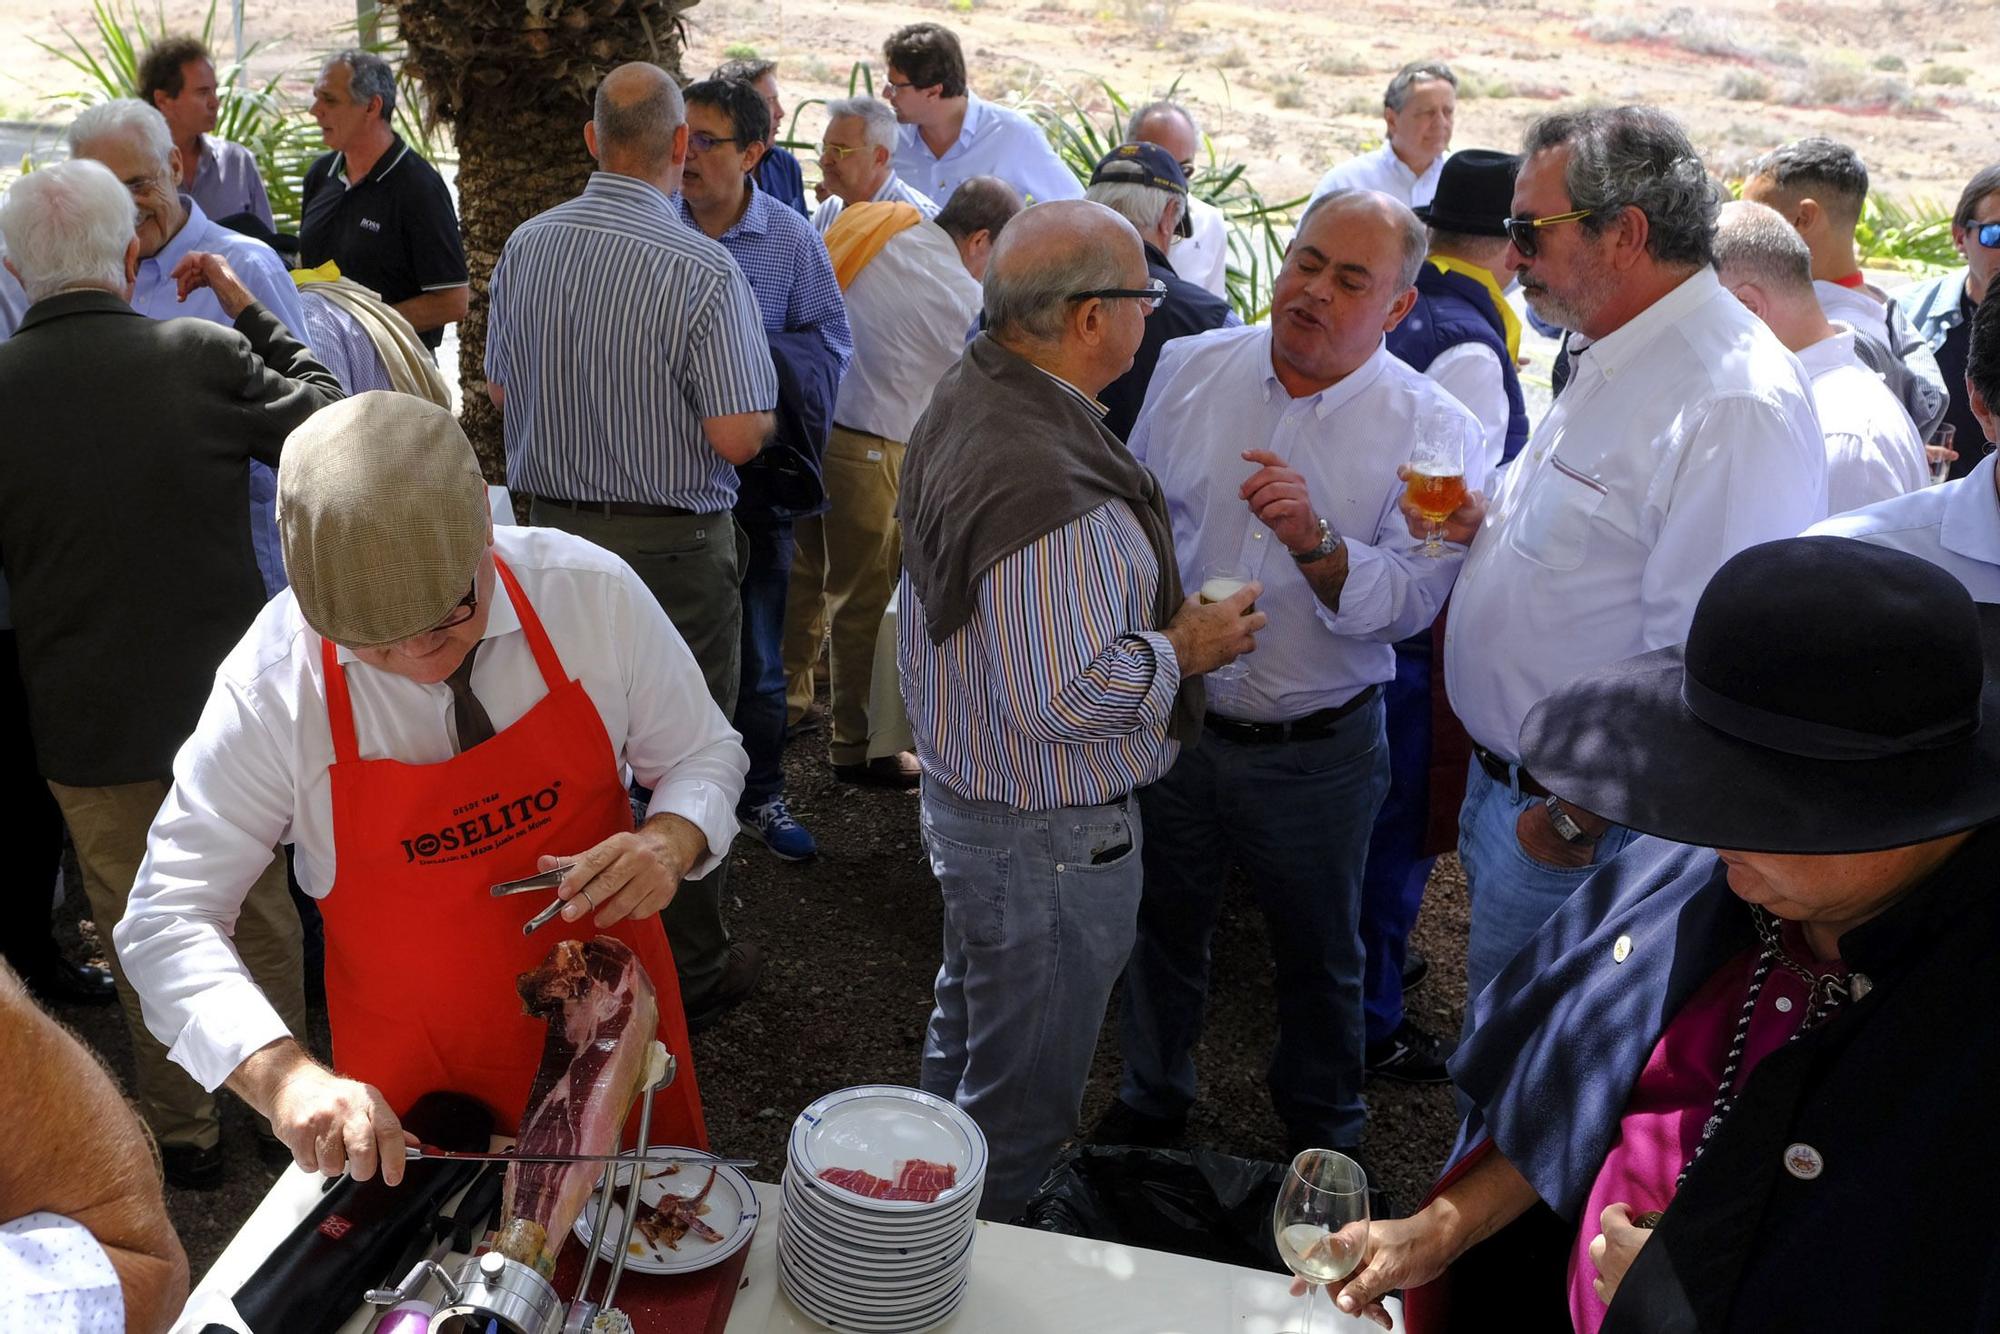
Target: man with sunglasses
{"type": "Point", "coordinates": [1686, 433]}
{"type": "Point", "coordinates": [1942, 307]}
{"type": "Point", "coordinates": [950, 134]}
{"type": "Point", "coordinates": [436, 706]}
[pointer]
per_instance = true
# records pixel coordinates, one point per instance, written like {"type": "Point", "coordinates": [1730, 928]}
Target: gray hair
{"type": "Point", "coordinates": [878, 120]}
{"type": "Point", "coordinates": [1164, 107]}
{"type": "Point", "coordinates": [124, 118]}
{"type": "Point", "coordinates": [1756, 243]}
{"type": "Point", "coordinates": [1032, 302]}
{"type": "Point", "coordinates": [68, 225]}
{"type": "Point", "coordinates": [642, 127]}
{"type": "Point", "coordinates": [1416, 238]}
{"type": "Point", "coordinates": [368, 76]}
{"type": "Point", "coordinates": [1141, 205]}
{"type": "Point", "coordinates": [1407, 78]}
{"type": "Point", "coordinates": [1634, 157]}
{"type": "Point", "coordinates": [1828, 169]}
{"type": "Point", "coordinates": [745, 70]}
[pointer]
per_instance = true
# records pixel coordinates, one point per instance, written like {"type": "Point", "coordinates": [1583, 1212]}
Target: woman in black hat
{"type": "Point", "coordinates": [1748, 1088]}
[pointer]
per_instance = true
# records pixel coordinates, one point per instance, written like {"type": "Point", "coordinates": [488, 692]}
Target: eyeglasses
{"type": "Point", "coordinates": [465, 609]}
{"type": "Point", "coordinates": [1150, 296]}
{"type": "Point", "coordinates": [1989, 235]}
{"type": "Point", "coordinates": [890, 88]}
{"type": "Point", "coordinates": [841, 152]}
{"type": "Point", "coordinates": [1521, 231]}
{"type": "Point", "coordinates": [704, 143]}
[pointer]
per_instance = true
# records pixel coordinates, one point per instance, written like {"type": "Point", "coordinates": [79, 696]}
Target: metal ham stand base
{"type": "Point", "coordinates": [492, 1294]}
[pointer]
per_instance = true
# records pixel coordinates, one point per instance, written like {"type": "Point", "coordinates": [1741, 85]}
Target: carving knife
{"type": "Point", "coordinates": [424, 1152]}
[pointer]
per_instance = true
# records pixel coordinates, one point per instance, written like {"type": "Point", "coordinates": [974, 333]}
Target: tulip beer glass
{"type": "Point", "coordinates": [1436, 485]}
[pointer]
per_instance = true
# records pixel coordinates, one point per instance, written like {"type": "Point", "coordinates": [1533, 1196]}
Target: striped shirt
{"type": "Point", "coordinates": [1047, 697]}
{"type": "Point", "coordinates": [895, 190]}
{"type": "Point", "coordinates": [342, 345]}
{"type": "Point", "coordinates": [789, 271]}
{"type": "Point", "coordinates": [615, 330]}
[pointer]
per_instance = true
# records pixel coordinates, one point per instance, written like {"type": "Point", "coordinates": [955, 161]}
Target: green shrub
{"type": "Point", "coordinates": [1955, 75]}
{"type": "Point", "coordinates": [739, 51]}
{"type": "Point", "coordinates": [1892, 63]}
{"type": "Point", "coordinates": [1742, 85]}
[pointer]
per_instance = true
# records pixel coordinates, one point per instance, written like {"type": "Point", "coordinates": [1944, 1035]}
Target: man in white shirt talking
{"type": "Point", "coordinates": [1417, 112]}
{"type": "Point", "coordinates": [1686, 434]}
{"type": "Point", "coordinates": [1872, 449]}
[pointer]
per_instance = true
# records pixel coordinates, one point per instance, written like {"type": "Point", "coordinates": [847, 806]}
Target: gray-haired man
{"type": "Point", "coordinates": [374, 206]}
{"type": "Point", "coordinates": [855, 161]}
{"type": "Point", "coordinates": [1202, 256]}
{"type": "Point", "coordinates": [1046, 656]}
{"type": "Point", "coordinates": [1417, 112]}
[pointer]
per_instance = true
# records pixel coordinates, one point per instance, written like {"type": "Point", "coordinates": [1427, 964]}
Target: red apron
{"type": "Point", "coordinates": [420, 958]}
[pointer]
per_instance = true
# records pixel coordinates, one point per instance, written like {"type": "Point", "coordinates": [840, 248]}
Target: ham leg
{"type": "Point", "coordinates": [603, 1017]}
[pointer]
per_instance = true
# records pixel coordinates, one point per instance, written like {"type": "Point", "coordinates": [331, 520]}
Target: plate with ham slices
{"type": "Point", "coordinates": [690, 1216]}
{"type": "Point", "coordinates": [879, 1207]}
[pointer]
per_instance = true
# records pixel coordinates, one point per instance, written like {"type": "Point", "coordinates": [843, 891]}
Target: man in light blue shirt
{"type": "Point", "coordinates": [1955, 526]}
{"type": "Point", "coordinates": [949, 134]}
{"type": "Point", "coordinates": [1277, 449]}
{"type": "Point", "coordinates": [133, 140]}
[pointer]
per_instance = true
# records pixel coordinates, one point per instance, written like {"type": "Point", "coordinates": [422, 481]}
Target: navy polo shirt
{"type": "Point", "coordinates": [395, 230]}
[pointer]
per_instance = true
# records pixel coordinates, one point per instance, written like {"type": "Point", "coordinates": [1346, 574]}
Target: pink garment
{"type": "Point", "coordinates": [1674, 1096]}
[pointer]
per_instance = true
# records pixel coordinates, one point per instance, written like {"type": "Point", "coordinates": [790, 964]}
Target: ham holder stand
{"type": "Point", "coordinates": [491, 1292]}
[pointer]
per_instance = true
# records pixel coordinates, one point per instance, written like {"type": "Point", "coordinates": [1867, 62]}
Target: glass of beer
{"type": "Point", "coordinates": [1436, 485]}
{"type": "Point", "coordinates": [1321, 1220]}
{"type": "Point", "coordinates": [1219, 582]}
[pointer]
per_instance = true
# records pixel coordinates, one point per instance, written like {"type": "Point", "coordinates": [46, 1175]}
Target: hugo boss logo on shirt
{"type": "Point", "coordinates": [489, 823]}
{"type": "Point", "coordinates": [369, 224]}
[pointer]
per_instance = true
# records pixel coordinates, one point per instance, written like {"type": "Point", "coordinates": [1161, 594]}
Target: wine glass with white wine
{"type": "Point", "coordinates": [1321, 1220]}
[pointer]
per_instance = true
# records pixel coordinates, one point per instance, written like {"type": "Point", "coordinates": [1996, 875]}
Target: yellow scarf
{"type": "Point", "coordinates": [860, 232]}
{"type": "Point", "coordinates": [1484, 277]}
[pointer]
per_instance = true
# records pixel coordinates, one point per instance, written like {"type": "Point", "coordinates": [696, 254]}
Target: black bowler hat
{"type": "Point", "coordinates": [1833, 697]}
{"type": "Point", "coordinates": [1147, 164]}
{"type": "Point", "coordinates": [1475, 193]}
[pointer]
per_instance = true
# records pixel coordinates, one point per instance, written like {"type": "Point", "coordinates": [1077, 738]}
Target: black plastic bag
{"type": "Point", "coordinates": [1191, 1202]}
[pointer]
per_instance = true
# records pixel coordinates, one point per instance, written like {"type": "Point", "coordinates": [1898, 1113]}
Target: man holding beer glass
{"type": "Point", "coordinates": [1291, 764]}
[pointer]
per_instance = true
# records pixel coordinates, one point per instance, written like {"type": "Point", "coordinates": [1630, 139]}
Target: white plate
{"type": "Point", "coordinates": [836, 1202]}
{"type": "Point", "coordinates": [912, 1273]}
{"type": "Point", "coordinates": [874, 1127]}
{"type": "Point", "coordinates": [843, 1315]}
{"type": "Point", "coordinates": [812, 1211]}
{"type": "Point", "coordinates": [732, 1211]}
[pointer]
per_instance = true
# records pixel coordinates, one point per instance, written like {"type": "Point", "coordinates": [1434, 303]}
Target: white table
{"type": "Point", "coordinates": [1023, 1282]}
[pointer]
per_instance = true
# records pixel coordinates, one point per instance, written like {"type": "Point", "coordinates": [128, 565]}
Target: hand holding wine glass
{"type": "Point", "coordinates": [1321, 1220]}
{"type": "Point", "coordinates": [1434, 481]}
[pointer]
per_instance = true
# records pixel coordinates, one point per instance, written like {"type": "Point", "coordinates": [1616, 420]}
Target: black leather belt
{"type": "Point", "coordinates": [1309, 728]}
{"type": "Point", "coordinates": [619, 509]}
{"type": "Point", "coordinates": [1503, 773]}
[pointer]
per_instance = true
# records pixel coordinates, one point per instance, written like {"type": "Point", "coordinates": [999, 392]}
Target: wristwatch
{"type": "Point", "coordinates": [1329, 542]}
{"type": "Point", "coordinates": [1568, 830]}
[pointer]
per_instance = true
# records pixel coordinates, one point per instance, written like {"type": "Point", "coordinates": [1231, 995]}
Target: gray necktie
{"type": "Point", "coordinates": [468, 715]}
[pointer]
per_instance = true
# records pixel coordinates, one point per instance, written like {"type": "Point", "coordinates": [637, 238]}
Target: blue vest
{"type": "Point", "coordinates": [1452, 309]}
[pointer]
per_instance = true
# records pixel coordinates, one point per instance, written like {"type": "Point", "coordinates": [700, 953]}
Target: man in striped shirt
{"type": "Point", "coordinates": [628, 358]}
{"type": "Point", "coordinates": [791, 275]}
{"type": "Point", "coordinates": [1047, 660]}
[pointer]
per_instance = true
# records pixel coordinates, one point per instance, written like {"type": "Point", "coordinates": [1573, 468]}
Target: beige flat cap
{"type": "Point", "coordinates": [383, 513]}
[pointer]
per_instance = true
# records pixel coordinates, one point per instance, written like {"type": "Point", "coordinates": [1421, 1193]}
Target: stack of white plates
{"type": "Point", "coordinates": [867, 1265]}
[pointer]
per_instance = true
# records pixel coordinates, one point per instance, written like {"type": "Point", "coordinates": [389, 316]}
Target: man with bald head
{"type": "Point", "coordinates": [1050, 665]}
{"type": "Point", "coordinates": [1292, 763]}
{"type": "Point", "coordinates": [628, 358]}
{"type": "Point", "coordinates": [1202, 256]}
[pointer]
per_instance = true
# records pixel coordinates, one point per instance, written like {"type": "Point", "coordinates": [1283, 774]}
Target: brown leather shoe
{"type": "Point", "coordinates": [738, 980]}
{"type": "Point", "coordinates": [900, 770]}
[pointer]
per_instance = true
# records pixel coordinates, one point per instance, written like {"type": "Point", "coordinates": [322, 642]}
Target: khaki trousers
{"type": "Point", "coordinates": [846, 569]}
{"type": "Point", "coordinates": [108, 825]}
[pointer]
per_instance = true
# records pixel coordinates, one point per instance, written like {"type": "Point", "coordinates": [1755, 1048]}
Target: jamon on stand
{"type": "Point", "coordinates": [602, 1016]}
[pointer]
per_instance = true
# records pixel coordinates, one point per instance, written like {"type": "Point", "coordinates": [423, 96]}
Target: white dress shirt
{"type": "Point", "coordinates": [255, 772]}
{"type": "Point", "coordinates": [909, 310]}
{"type": "Point", "coordinates": [1872, 450]}
{"type": "Point", "coordinates": [154, 294]}
{"type": "Point", "coordinates": [1383, 170]}
{"type": "Point", "coordinates": [1203, 257]}
{"type": "Point", "coordinates": [893, 191]}
{"type": "Point", "coordinates": [1215, 395]}
{"type": "Point", "coordinates": [993, 141]}
{"type": "Point", "coordinates": [1470, 373]}
{"type": "Point", "coordinates": [1955, 527]}
{"type": "Point", "coordinates": [56, 1278]}
{"type": "Point", "coordinates": [1684, 436]}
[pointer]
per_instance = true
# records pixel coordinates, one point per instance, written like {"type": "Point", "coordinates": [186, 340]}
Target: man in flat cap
{"type": "Point", "coordinates": [435, 706]}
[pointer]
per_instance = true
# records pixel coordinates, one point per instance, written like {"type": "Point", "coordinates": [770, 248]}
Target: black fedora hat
{"type": "Point", "coordinates": [1475, 193]}
{"type": "Point", "coordinates": [1832, 697]}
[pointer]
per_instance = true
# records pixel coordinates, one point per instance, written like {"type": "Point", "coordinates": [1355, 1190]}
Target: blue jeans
{"type": "Point", "coordinates": [1392, 886]}
{"type": "Point", "coordinates": [1039, 911]}
{"type": "Point", "coordinates": [760, 698]}
{"type": "Point", "coordinates": [1512, 894]}
{"type": "Point", "coordinates": [1295, 815]}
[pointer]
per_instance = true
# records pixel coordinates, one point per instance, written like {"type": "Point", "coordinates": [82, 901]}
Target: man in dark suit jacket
{"type": "Point", "coordinates": [125, 537]}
